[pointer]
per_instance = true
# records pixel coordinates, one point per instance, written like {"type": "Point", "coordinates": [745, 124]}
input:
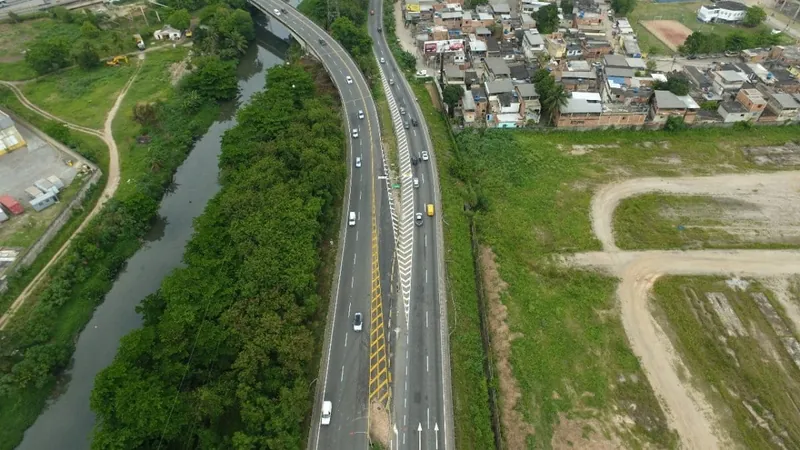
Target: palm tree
{"type": "Point", "coordinates": [552, 100]}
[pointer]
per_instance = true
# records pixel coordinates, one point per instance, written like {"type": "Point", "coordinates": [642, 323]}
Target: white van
{"type": "Point", "coordinates": [327, 409]}
{"type": "Point", "coordinates": [352, 221]}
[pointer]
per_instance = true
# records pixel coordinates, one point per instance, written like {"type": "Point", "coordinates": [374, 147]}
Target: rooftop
{"type": "Point", "coordinates": [730, 6]}
{"type": "Point", "coordinates": [527, 90]}
{"type": "Point", "coordinates": [497, 86]}
{"type": "Point", "coordinates": [582, 104]}
{"type": "Point", "coordinates": [787, 101]}
{"type": "Point", "coordinates": [497, 66]}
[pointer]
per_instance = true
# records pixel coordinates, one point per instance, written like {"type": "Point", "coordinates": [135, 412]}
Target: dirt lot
{"type": "Point", "coordinates": [671, 32]}
{"type": "Point", "coordinates": [688, 410]}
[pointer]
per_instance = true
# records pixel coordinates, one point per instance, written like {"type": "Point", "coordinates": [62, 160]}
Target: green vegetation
{"type": "Point", "coordinates": [37, 344]}
{"type": "Point", "coordinates": [470, 391]}
{"type": "Point", "coordinates": [95, 91]}
{"type": "Point", "coordinates": [405, 60]}
{"type": "Point", "coordinates": [547, 18]}
{"type": "Point", "coordinates": [25, 230]}
{"type": "Point", "coordinates": [676, 83]}
{"type": "Point", "coordinates": [734, 372]}
{"type": "Point", "coordinates": [227, 350]}
{"type": "Point", "coordinates": [623, 7]}
{"type": "Point", "coordinates": [537, 189]}
{"type": "Point", "coordinates": [702, 43]}
{"type": "Point", "coordinates": [552, 95]}
{"type": "Point", "coordinates": [658, 221]}
{"type": "Point", "coordinates": [754, 16]}
{"type": "Point", "coordinates": [686, 13]}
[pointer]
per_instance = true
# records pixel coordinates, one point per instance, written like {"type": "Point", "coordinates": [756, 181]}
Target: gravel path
{"type": "Point", "coordinates": [686, 408]}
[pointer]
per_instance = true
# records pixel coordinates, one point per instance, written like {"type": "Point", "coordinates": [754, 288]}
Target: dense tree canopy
{"type": "Point", "coordinates": [180, 19]}
{"type": "Point", "coordinates": [547, 18]}
{"type": "Point", "coordinates": [48, 54]}
{"type": "Point", "coordinates": [754, 16]}
{"type": "Point", "coordinates": [225, 356]}
{"type": "Point", "coordinates": [623, 7]}
{"type": "Point", "coordinates": [551, 94]}
{"type": "Point", "coordinates": [212, 78]}
{"type": "Point", "coordinates": [566, 7]}
{"type": "Point", "coordinates": [677, 84]}
{"type": "Point", "coordinates": [699, 43]}
{"type": "Point", "coordinates": [452, 95]}
{"type": "Point", "coordinates": [226, 31]}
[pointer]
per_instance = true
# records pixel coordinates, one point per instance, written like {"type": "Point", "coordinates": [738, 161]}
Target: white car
{"type": "Point", "coordinates": [425, 156]}
{"type": "Point", "coordinates": [276, 12]}
{"type": "Point", "coordinates": [418, 219]}
{"type": "Point", "coordinates": [383, 61]}
{"type": "Point", "coordinates": [327, 410]}
{"type": "Point", "coordinates": [349, 79]}
{"type": "Point", "coordinates": [360, 114]}
{"type": "Point", "coordinates": [358, 322]}
{"type": "Point", "coordinates": [416, 183]}
{"type": "Point", "coordinates": [358, 161]}
{"type": "Point", "coordinates": [355, 133]}
{"type": "Point", "coordinates": [402, 111]}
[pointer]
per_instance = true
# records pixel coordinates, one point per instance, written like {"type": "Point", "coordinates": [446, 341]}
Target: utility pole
{"type": "Point", "coordinates": [333, 11]}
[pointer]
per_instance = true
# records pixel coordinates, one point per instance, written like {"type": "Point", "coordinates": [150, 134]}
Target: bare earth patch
{"type": "Point", "coordinates": [584, 434]}
{"type": "Point", "coordinates": [178, 70]}
{"type": "Point", "coordinates": [671, 32]}
{"type": "Point", "coordinates": [515, 429]}
{"type": "Point", "coordinates": [379, 424]}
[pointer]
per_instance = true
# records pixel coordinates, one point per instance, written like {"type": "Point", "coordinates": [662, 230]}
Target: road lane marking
{"type": "Point", "coordinates": [352, 280]}
{"type": "Point", "coordinates": [342, 379]}
{"type": "Point", "coordinates": [359, 195]}
{"type": "Point", "coordinates": [426, 241]}
{"type": "Point", "coordinates": [429, 418]}
{"type": "Point", "coordinates": [426, 276]}
{"type": "Point", "coordinates": [355, 255]}
{"type": "Point", "coordinates": [356, 238]}
{"type": "Point", "coordinates": [427, 367]}
{"type": "Point", "coordinates": [426, 319]}
{"type": "Point", "coordinates": [345, 339]}
{"type": "Point", "coordinates": [348, 308]}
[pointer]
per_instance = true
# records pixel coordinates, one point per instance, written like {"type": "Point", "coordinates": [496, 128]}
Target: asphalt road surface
{"type": "Point", "coordinates": [419, 395]}
{"type": "Point", "coordinates": [345, 361]}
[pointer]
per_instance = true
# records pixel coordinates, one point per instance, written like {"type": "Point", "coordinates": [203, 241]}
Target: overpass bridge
{"type": "Point", "coordinates": [354, 372]}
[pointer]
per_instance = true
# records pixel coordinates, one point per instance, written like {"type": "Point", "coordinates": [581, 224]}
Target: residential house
{"type": "Point", "coordinates": [722, 11]}
{"type": "Point", "coordinates": [471, 78]}
{"type": "Point", "coordinates": [784, 106]}
{"type": "Point", "coordinates": [469, 110]}
{"type": "Point", "coordinates": [530, 107]}
{"type": "Point", "coordinates": [727, 81]}
{"type": "Point", "coordinates": [531, 6]}
{"type": "Point", "coordinates": [527, 22]}
{"type": "Point", "coordinates": [167, 33]}
{"type": "Point", "coordinates": [620, 85]}
{"type": "Point", "coordinates": [732, 111]}
{"type": "Point", "coordinates": [753, 101]}
{"type": "Point", "coordinates": [594, 49]}
{"type": "Point", "coordinates": [579, 81]}
{"type": "Point", "coordinates": [477, 48]}
{"type": "Point", "coordinates": [789, 55]}
{"type": "Point", "coordinates": [519, 73]}
{"type": "Point", "coordinates": [623, 28]}
{"type": "Point", "coordinates": [784, 80]}
{"type": "Point", "coordinates": [631, 46]}
{"type": "Point", "coordinates": [555, 45]}
{"type": "Point", "coordinates": [483, 33]}
{"type": "Point", "coordinates": [495, 68]}
{"type": "Point", "coordinates": [586, 110]}
{"type": "Point", "coordinates": [492, 47]}
{"type": "Point", "coordinates": [532, 44]}
{"type": "Point", "coordinates": [501, 9]}
{"type": "Point", "coordinates": [453, 75]}
{"type": "Point", "coordinates": [10, 138]}
{"type": "Point", "coordinates": [504, 108]}
{"type": "Point", "coordinates": [481, 100]}
{"type": "Point", "coordinates": [666, 104]}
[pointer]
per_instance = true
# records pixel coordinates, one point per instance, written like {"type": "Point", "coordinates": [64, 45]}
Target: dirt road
{"type": "Point", "coordinates": [111, 185]}
{"type": "Point", "coordinates": [686, 408]}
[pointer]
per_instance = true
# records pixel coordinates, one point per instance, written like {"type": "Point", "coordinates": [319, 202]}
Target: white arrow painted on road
{"type": "Point", "coordinates": [436, 429]}
{"type": "Point", "coordinates": [420, 435]}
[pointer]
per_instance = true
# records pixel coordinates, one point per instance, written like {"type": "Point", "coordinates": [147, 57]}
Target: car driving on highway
{"type": "Point", "coordinates": [424, 155]}
{"type": "Point", "coordinates": [348, 79]}
{"type": "Point", "coordinates": [418, 219]}
{"type": "Point", "coordinates": [360, 114]}
{"type": "Point", "coordinates": [358, 322]}
{"type": "Point", "coordinates": [358, 161]}
{"type": "Point", "coordinates": [355, 133]}
{"type": "Point", "coordinates": [276, 12]}
{"type": "Point", "coordinates": [327, 410]}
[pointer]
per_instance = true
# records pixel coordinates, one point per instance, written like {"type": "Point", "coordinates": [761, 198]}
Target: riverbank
{"type": "Point", "coordinates": [241, 321]}
{"type": "Point", "coordinates": [39, 342]}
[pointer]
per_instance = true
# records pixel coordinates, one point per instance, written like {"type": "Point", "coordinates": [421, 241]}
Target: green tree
{"type": "Point", "coordinates": [555, 97]}
{"type": "Point", "coordinates": [566, 7]}
{"type": "Point", "coordinates": [702, 43]}
{"type": "Point", "coordinates": [85, 55]}
{"type": "Point", "coordinates": [354, 39]}
{"type": "Point", "coordinates": [47, 54]}
{"type": "Point", "coordinates": [737, 41]}
{"type": "Point", "coordinates": [675, 124]}
{"type": "Point", "coordinates": [677, 84]}
{"type": "Point", "coordinates": [180, 19]}
{"type": "Point", "coordinates": [754, 16]}
{"type": "Point", "coordinates": [89, 31]}
{"type": "Point", "coordinates": [547, 19]}
{"type": "Point", "coordinates": [212, 78]}
{"type": "Point", "coordinates": [651, 65]}
{"type": "Point", "coordinates": [623, 7]}
{"type": "Point", "coordinates": [452, 95]}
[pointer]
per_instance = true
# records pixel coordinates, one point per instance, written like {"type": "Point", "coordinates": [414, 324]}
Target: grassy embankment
{"type": "Point", "coordinates": [734, 372]}
{"type": "Point", "coordinates": [656, 221]}
{"type": "Point", "coordinates": [572, 350]}
{"type": "Point", "coordinates": [685, 13]}
{"type": "Point", "coordinates": [20, 407]}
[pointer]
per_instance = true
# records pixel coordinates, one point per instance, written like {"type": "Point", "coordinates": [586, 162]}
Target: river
{"type": "Point", "coordinates": [67, 421]}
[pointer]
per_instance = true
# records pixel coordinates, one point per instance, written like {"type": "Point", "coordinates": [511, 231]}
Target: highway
{"type": "Point", "coordinates": [344, 374]}
{"type": "Point", "coordinates": [422, 402]}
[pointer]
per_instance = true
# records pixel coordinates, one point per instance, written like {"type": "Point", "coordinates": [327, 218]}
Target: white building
{"type": "Point", "coordinates": [722, 11]}
{"type": "Point", "coordinates": [532, 44]}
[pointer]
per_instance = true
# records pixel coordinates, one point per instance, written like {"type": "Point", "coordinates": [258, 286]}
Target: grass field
{"type": "Point", "coordinates": [80, 96]}
{"type": "Point", "coordinates": [571, 356]}
{"type": "Point", "coordinates": [748, 377]}
{"type": "Point", "coordinates": [656, 221]}
{"type": "Point", "coordinates": [685, 13]}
